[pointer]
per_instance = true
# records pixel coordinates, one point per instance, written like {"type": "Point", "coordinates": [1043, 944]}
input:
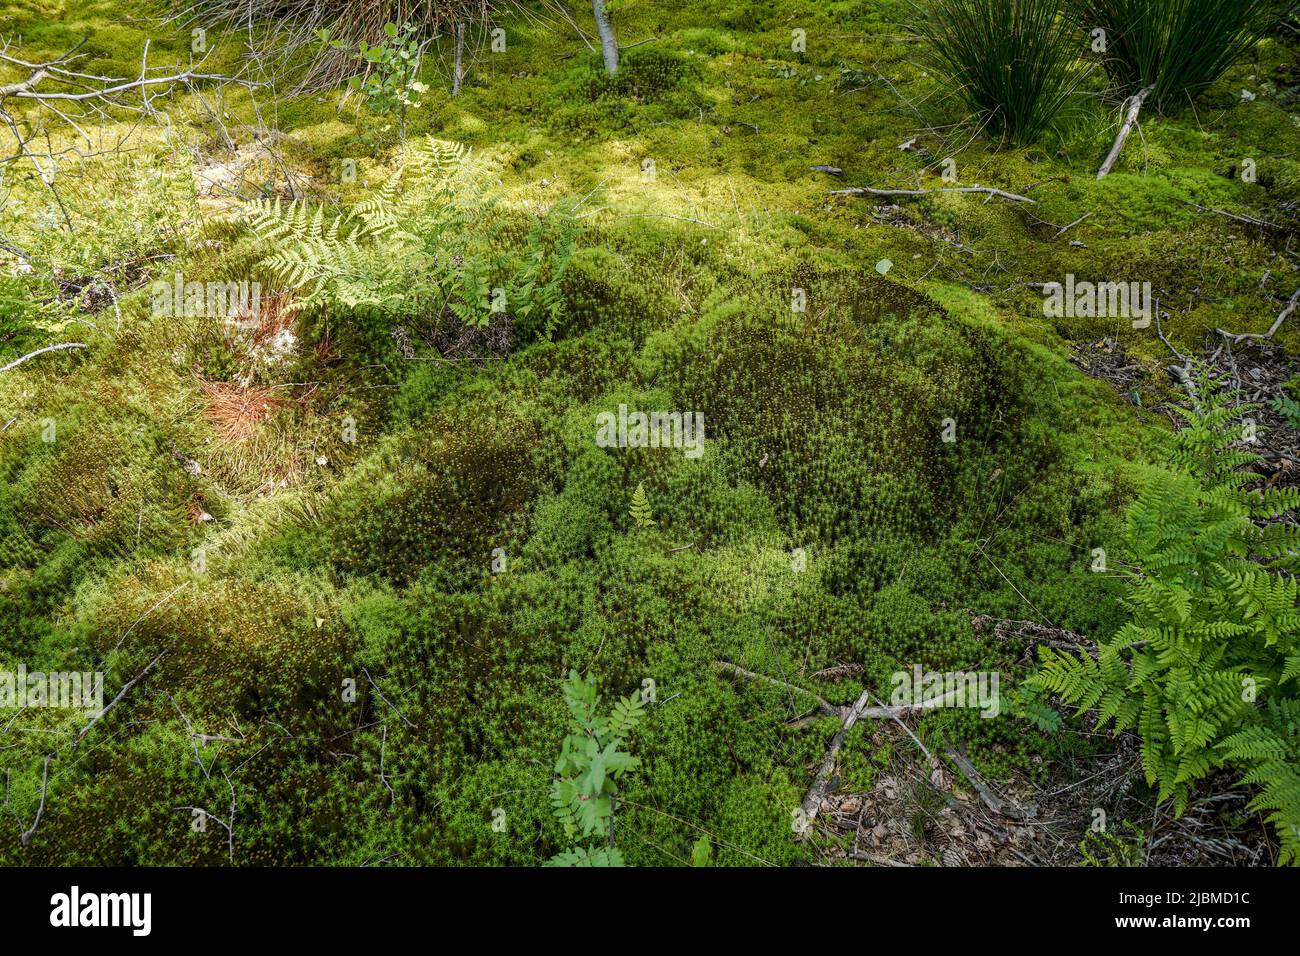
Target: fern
{"type": "Point", "coordinates": [429, 241]}
{"type": "Point", "coordinates": [1114, 850]}
{"type": "Point", "coordinates": [640, 509]}
{"type": "Point", "coordinates": [1207, 668]}
{"type": "Point", "coordinates": [1288, 408]}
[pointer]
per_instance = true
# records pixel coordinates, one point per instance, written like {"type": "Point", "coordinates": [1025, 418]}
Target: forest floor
{"type": "Point", "coordinates": [827, 540]}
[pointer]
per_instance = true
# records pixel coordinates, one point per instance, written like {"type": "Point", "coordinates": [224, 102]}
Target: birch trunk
{"type": "Point", "coordinates": [608, 43]}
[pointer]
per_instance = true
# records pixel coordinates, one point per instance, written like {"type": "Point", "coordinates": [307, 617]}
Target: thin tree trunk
{"type": "Point", "coordinates": [460, 50]}
{"type": "Point", "coordinates": [608, 43]}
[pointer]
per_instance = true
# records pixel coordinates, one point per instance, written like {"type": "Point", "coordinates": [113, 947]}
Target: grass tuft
{"type": "Point", "coordinates": [1015, 62]}
{"type": "Point", "coordinates": [1179, 47]}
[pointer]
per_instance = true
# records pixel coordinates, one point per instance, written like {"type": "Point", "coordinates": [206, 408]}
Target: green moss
{"type": "Point", "coordinates": [824, 432]}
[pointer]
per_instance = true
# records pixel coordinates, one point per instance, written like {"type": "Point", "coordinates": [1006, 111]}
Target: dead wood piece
{"type": "Point", "coordinates": [1134, 105]}
{"type": "Point", "coordinates": [1055, 637]}
{"type": "Point", "coordinates": [62, 346]}
{"type": "Point", "coordinates": [120, 694]}
{"type": "Point", "coordinates": [823, 705]}
{"type": "Point", "coordinates": [812, 800]}
{"type": "Point", "coordinates": [1006, 808]}
{"type": "Point", "coordinates": [987, 190]}
{"type": "Point", "coordinates": [1236, 337]}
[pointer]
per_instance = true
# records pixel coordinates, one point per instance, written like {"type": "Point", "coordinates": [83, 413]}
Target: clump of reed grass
{"type": "Point", "coordinates": [1015, 62]}
{"type": "Point", "coordinates": [289, 28]}
{"type": "Point", "coordinates": [1176, 47]}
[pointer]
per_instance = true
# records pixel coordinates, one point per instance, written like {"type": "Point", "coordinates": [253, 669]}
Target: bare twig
{"type": "Point", "coordinates": [987, 190]}
{"type": "Point", "coordinates": [62, 346]}
{"type": "Point", "coordinates": [812, 800]}
{"type": "Point", "coordinates": [120, 694]}
{"type": "Point", "coordinates": [1243, 336]}
{"type": "Point", "coordinates": [1064, 229]}
{"type": "Point", "coordinates": [26, 836]}
{"type": "Point", "coordinates": [386, 700]}
{"type": "Point", "coordinates": [1239, 217]}
{"type": "Point", "coordinates": [160, 603]}
{"type": "Point", "coordinates": [823, 705]}
{"type": "Point", "coordinates": [1006, 808]}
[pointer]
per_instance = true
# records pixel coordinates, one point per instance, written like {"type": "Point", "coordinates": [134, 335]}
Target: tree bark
{"type": "Point", "coordinates": [608, 43]}
{"type": "Point", "coordinates": [460, 50]}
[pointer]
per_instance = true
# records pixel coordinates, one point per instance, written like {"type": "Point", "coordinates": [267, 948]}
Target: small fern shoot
{"type": "Point", "coordinates": [640, 510]}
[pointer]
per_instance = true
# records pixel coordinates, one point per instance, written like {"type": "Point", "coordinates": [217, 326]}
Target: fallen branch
{"type": "Point", "coordinates": [386, 700]}
{"type": "Point", "coordinates": [1134, 104]}
{"type": "Point", "coordinates": [120, 694]}
{"type": "Point", "coordinates": [45, 780]}
{"type": "Point", "coordinates": [1242, 336]}
{"type": "Point", "coordinates": [843, 712]}
{"type": "Point", "coordinates": [988, 190]}
{"type": "Point", "coordinates": [1006, 808]}
{"type": "Point", "coordinates": [823, 705]}
{"type": "Point", "coordinates": [856, 854]}
{"type": "Point", "coordinates": [812, 800]}
{"type": "Point", "coordinates": [49, 348]}
{"type": "Point", "coordinates": [1064, 229]}
{"type": "Point", "coordinates": [137, 621]}
{"type": "Point", "coordinates": [1055, 637]}
{"type": "Point", "coordinates": [1238, 217]}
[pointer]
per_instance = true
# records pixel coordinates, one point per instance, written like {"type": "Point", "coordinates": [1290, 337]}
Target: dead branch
{"type": "Point", "coordinates": [74, 97]}
{"type": "Point", "coordinates": [831, 710]}
{"type": "Point", "coordinates": [386, 700]}
{"type": "Point", "coordinates": [160, 603]}
{"type": "Point", "coordinates": [1055, 637]}
{"type": "Point", "coordinates": [838, 672]}
{"type": "Point", "coordinates": [45, 780]}
{"type": "Point", "coordinates": [1006, 808]}
{"type": "Point", "coordinates": [987, 190]}
{"type": "Point", "coordinates": [1236, 337]}
{"type": "Point", "coordinates": [1238, 217]}
{"type": "Point", "coordinates": [62, 346]}
{"type": "Point", "coordinates": [120, 694]}
{"type": "Point", "coordinates": [823, 705]}
{"type": "Point", "coordinates": [1064, 229]}
{"type": "Point", "coordinates": [1134, 104]}
{"type": "Point", "coordinates": [228, 826]}
{"type": "Point", "coordinates": [856, 854]}
{"type": "Point", "coordinates": [813, 798]}
{"type": "Point", "coordinates": [383, 777]}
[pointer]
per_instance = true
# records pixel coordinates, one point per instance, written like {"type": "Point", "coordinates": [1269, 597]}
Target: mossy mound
{"type": "Point", "coordinates": [443, 494]}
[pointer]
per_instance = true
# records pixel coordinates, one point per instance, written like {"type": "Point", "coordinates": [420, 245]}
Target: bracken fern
{"type": "Point", "coordinates": [1206, 670]}
{"type": "Point", "coordinates": [429, 241]}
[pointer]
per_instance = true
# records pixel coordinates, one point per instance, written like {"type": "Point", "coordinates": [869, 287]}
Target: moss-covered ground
{"type": "Point", "coordinates": [827, 529]}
